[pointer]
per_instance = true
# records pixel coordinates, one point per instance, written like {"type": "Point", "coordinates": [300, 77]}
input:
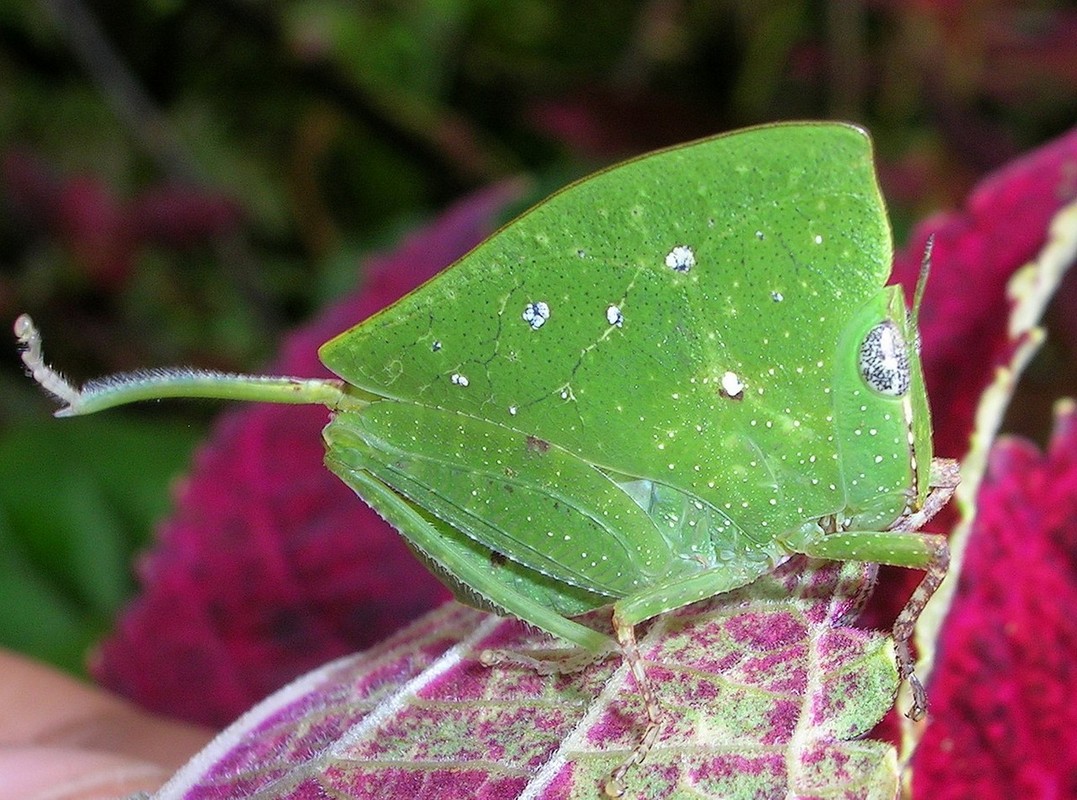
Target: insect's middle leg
{"type": "Point", "coordinates": [631, 611]}
{"type": "Point", "coordinates": [551, 661]}
{"type": "Point", "coordinates": [626, 638]}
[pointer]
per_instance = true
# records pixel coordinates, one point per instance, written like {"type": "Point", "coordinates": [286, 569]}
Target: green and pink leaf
{"type": "Point", "coordinates": [767, 693]}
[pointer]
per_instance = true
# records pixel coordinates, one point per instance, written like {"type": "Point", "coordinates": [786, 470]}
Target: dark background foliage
{"type": "Point", "coordinates": [184, 181]}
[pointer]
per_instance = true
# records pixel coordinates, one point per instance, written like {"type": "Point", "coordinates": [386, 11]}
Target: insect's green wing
{"type": "Point", "coordinates": [674, 319]}
{"type": "Point", "coordinates": [476, 574]}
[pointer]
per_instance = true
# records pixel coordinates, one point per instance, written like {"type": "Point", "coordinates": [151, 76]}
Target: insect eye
{"type": "Point", "coordinates": [884, 360]}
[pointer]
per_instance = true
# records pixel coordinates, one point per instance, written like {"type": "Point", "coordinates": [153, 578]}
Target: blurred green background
{"type": "Point", "coordinates": [184, 181]}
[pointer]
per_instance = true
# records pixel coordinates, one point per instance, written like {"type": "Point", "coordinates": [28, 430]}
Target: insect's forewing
{"type": "Point", "coordinates": [675, 318]}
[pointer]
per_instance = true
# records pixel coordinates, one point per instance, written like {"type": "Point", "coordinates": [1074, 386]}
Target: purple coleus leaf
{"type": "Point", "coordinates": [104, 233]}
{"type": "Point", "coordinates": [764, 693]}
{"type": "Point", "coordinates": [976, 250]}
{"type": "Point", "coordinates": [269, 566]}
{"type": "Point", "coordinates": [1003, 715]}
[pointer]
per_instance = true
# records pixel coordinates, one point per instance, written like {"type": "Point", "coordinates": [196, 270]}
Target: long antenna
{"type": "Point", "coordinates": [921, 282]}
{"type": "Point", "coordinates": [158, 384]}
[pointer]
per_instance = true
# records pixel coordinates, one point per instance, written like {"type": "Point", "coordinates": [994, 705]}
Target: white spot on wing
{"type": "Point", "coordinates": [681, 258]}
{"type": "Point", "coordinates": [732, 385]}
{"type": "Point", "coordinates": [536, 314]}
{"type": "Point", "coordinates": [614, 316]}
{"type": "Point", "coordinates": [459, 380]}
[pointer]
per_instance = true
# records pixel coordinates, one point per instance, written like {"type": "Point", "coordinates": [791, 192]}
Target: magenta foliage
{"type": "Point", "coordinates": [964, 315]}
{"type": "Point", "coordinates": [1003, 716]}
{"type": "Point", "coordinates": [977, 249]}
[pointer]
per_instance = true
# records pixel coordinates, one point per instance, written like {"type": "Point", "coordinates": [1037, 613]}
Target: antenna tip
{"type": "Point", "coordinates": [24, 328]}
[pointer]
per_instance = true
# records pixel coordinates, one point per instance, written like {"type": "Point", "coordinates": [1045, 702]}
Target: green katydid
{"type": "Point", "coordinates": [652, 388]}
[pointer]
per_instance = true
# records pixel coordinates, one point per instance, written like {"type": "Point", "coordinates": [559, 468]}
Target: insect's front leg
{"type": "Point", "coordinates": [945, 477]}
{"type": "Point", "coordinates": [939, 562]}
{"type": "Point", "coordinates": [929, 552]}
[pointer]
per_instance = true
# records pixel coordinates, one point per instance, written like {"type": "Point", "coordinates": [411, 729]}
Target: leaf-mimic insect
{"type": "Point", "coordinates": [652, 388]}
